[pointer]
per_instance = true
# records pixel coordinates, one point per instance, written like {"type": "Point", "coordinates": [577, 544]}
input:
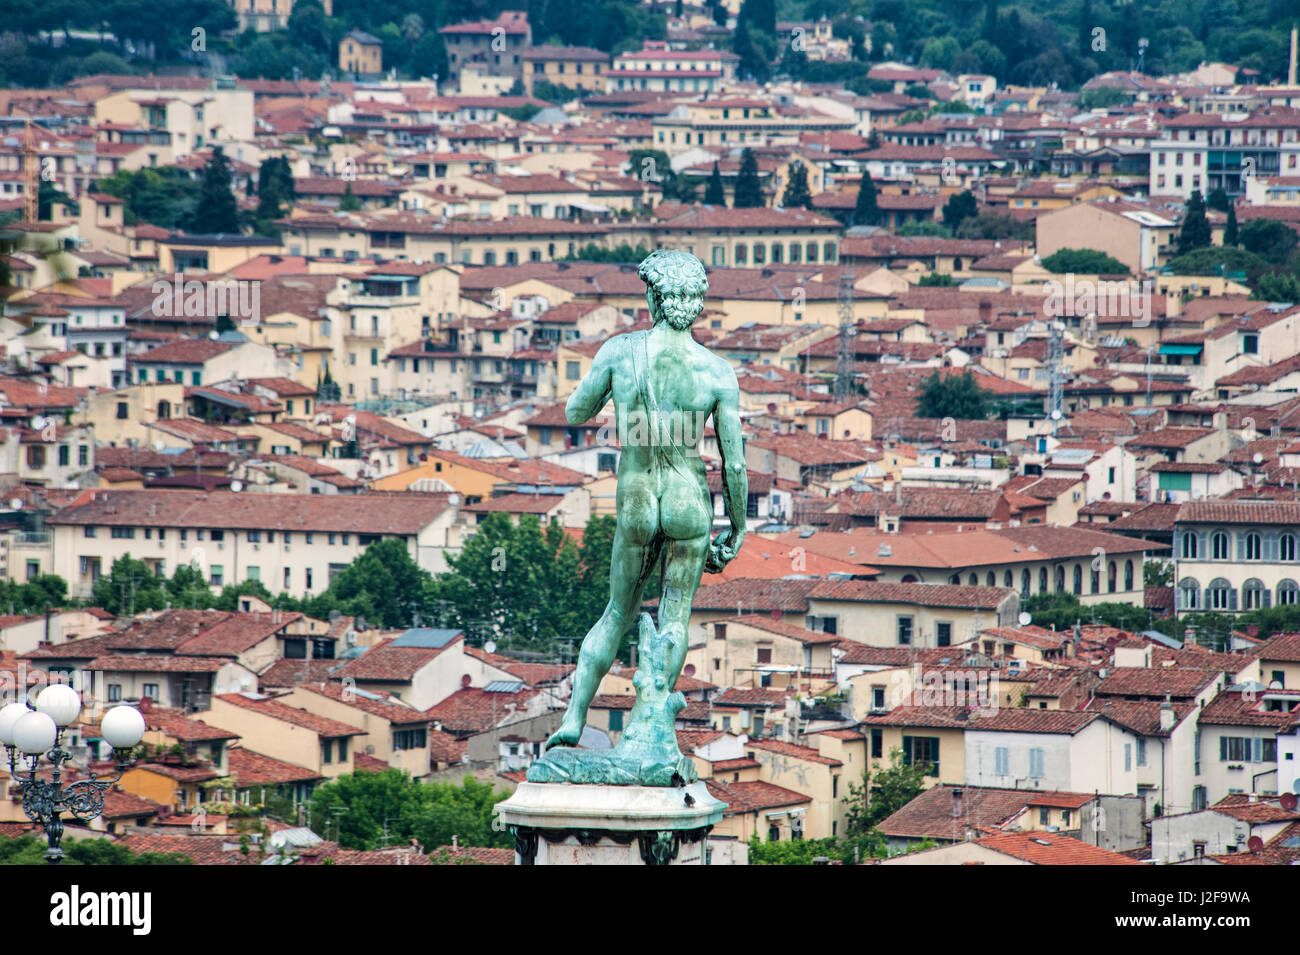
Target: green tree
{"type": "Point", "coordinates": [797, 194]}
{"type": "Point", "coordinates": [129, 587]}
{"type": "Point", "coordinates": [1218, 199]}
{"type": "Point", "coordinates": [993, 225]}
{"type": "Point", "coordinates": [1270, 239]}
{"type": "Point", "coordinates": [958, 208]}
{"type": "Point", "coordinates": [164, 196]}
{"type": "Point", "coordinates": [933, 279]}
{"type": "Point", "coordinates": [883, 792]}
{"type": "Point", "coordinates": [591, 252]}
{"type": "Point", "coordinates": [1157, 573]}
{"type": "Point", "coordinates": [30, 850]}
{"type": "Point", "coordinates": [1231, 234]}
{"type": "Point", "coordinates": [349, 202]}
{"type": "Point", "coordinates": [714, 194]}
{"type": "Point", "coordinates": [953, 396]}
{"type": "Point", "coordinates": [866, 211]}
{"type": "Point", "coordinates": [308, 27]}
{"type": "Point", "coordinates": [1083, 261]}
{"type": "Point", "coordinates": [1195, 231]}
{"type": "Point", "coordinates": [749, 193]}
{"type": "Point", "coordinates": [275, 195]}
{"type": "Point", "coordinates": [384, 584]}
{"type": "Point", "coordinates": [1277, 287]}
{"type": "Point", "coordinates": [217, 211]}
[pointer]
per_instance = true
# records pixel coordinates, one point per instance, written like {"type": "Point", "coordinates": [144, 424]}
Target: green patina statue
{"type": "Point", "coordinates": [664, 386]}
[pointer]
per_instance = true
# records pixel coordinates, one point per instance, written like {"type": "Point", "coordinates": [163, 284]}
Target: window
{"type": "Point", "coordinates": [1141, 751]}
{"type": "Point", "coordinates": [216, 575]}
{"type": "Point", "coordinates": [1001, 761]}
{"type": "Point", "coordinates": [1078, 578]}
{"type": "Point", "coordinates": [123, 411]}
{"type": "Point", "coordinates": [1128, 575]}
{"type": "Point", "coordinates": [1189, 592]}
{"type": "Point", "coordinates": [83, 455]}
{"type": "Point", "coordinates": [1254, 546]}
{"type": "Point", "coordinates": [65, 455]}
{"type": "Point", "coordinates": [1036, 764]}
{"type": "Point", "coordinates": [877, 743]}
{"type": "Point", "coordinates": [572, 371]}
{"type": "Point", "coordinates": [943, 634]}
{"type": "Point", "coordinates": [764, 654]}
{"type": "Point", "coordinates": [1288, 592]}
{"type": "Point", "coordinates": [1191, 550]}
{"type": "Point", "coordinates": [151, 691]}
{"type": "Point", "coordinates": [327, 751]}
{"type": "Point", "coordinates": [123, 533]}
{"type": "Point", "coordinates": [1286, 547]}
{"type": "Point", "coordinates": [1221, 595]}
{"type": "Point", "coordinates": [36, 456]}
{"type": "Point", "coordinates": [410, 739]}
{"type": "Point", "coordinates": [922, 750]}
{"type": "Point", "coordinates": [89, 530]}
{"type": "Point", "coordinates": [616, 721]}
{"type": "Point", "coordinates": [1042, 580]}
{"type": "Point", "coordinates": [1254, 595]}
{"type": "Point", "coordinates": [904, 631]}
{"type": "Point", "coordinates": [1112, 576]}
{"type": "Point", "coordinates": [114, 692]}
{"type": "Point", "coordinates": [254, 573]}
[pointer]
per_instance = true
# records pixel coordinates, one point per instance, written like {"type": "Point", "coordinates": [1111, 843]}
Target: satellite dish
{"type": "Point", "coordinates": [1024, 619]}
{"type": "Point", "coordinates": [213, 334]}
{"type": "Point", "coordinates": [688, 670]}
{"type": "Point", "coordinates": [490, 646]}
{"type": "Point", "coordinates": [16, 503]}
{"type": "Point", "coordinates": [465, 681]}
{"type": "Point", "coordinates": [1258, 458]}
{"type": "Point", "coordinates": [1289, 801]}
{"type": "Point", "coordinates": [236, 486]}
{"type": "Point", "coordinates": [1255, 844]}
{"type": "Point", "coordinates": [39, 422]}
{"type": "Point", "coordinates": [158, 445]}
{"type": "Point", "coordinates": [1056, 414]}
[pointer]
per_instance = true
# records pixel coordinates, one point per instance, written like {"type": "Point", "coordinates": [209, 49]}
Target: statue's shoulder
{"type": "Point", "coordinates": [723, 372]}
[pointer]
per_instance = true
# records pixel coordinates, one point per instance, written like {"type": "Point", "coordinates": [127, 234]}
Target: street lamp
{"type": "Point", "coordinates": [27, 734]}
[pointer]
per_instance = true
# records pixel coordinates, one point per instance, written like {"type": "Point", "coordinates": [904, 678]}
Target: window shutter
{"type": "Point", "coordinates": [1241, 546]}
{"type": "Point", "coordinates": [1223, 749]}
{"type": "Point", "coordinates": [1202, 545]}
{"type": "Point", "coordinates": [1232, 598]}
{"type": "Point", "coordinates": [1267, 596]}
{"type": "Point", "coordinates": [1205, 599]}
{"type": "Point", "coordinates": [1178, 543]}
{"type": "Point", "coordinates": [1270, 545]}
{"type": "Point", "coordinates": [1259, 750]}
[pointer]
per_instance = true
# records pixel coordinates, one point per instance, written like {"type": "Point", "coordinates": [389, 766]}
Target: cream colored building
{"type": "Point", "coordinates": [287, 732]}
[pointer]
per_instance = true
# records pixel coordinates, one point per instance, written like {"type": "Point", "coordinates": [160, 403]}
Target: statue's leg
{"type": "Point", "coordinates": [631, 564]}
{"type": "Point", "coordinates": [683, 565]}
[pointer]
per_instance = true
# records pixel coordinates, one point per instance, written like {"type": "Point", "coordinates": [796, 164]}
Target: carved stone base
{"type": "Point", "coordinates": [565, 824]}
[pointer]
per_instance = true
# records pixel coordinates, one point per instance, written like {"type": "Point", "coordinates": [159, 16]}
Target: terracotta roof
{"type": "Point", "coordinates": [291, 714]}
{"type": "Point", "coordinates": [1052, 848]}
{"type": "Point", "coordinates": [474, 710]}
{"type": "Point", "coordinates": [253, 769]}
{"type": "Point", "coordinates": [926, 595]}
{"type": "Point", "coordinates": [754, 796]}
{"type": "Point", "coordinates": [930, 815]}
{"type": "Point", "coordinates": [182, 728]}
{"type": "Point", "coordinates": [781, 627]}
{"type": "Point", "coordinates": [794, 751]}
{"type": "Point", "coordinates": [200, 848]}
{"type": "Point", "coordinates": [395, 713]}
{"type": "Point", "coordinates": [385, 662]}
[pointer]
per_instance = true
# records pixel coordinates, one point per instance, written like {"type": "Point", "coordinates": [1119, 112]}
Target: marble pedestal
{"type": "Point", "coordinates": [580, 824]}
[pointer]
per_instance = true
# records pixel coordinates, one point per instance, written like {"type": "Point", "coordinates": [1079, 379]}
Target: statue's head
{"type": "Point", "coordinates": [675, 287]}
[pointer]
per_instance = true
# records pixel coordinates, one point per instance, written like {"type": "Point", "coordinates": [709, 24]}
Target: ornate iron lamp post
{"type": "Point", "coordinates": [28, 734]}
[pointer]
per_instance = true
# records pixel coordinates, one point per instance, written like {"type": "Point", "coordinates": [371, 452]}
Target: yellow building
{"type": "Point", "coordinates": [361, 54]}
{"type": "Point", "coordinates": [573, 67]}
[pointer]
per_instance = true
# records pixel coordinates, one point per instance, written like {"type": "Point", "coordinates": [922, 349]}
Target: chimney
{"type": "Point", "coordinates": [1166, 714]}
{"type": "Point", "coordinates": [956, 802]}
{"type": "Point", "coordinates": [1173, 304]}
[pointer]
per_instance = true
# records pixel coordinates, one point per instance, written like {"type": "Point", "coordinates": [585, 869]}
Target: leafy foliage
{"type": "Point", "coordinates": [797, 194]}
{"type": "Point", "coordinates": [591, 252]}
{"type": "Point", "coordinates": [30, 850]}
{"type": "Point", "coordinates": [749, 193]}
{"type": "Point", "coordinates": [1195, 231]}
{"type": "Point", "coordinates": [1083, 261]}
{"type": "Point", "coordinates": [358, 808]}
{"type": "Point", "coordinates": [866, 211]}
{"type": "Point", "coordinates": [953, 396]}
{"type": "Point", "coordinates": [164, 196]}
{"type": "Point", "coordinates": [216, 211]}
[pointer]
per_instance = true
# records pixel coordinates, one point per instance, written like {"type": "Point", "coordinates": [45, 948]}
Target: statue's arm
{"type": "Point", "coordinates": [594, 389]}
{"type": "Point", "coordinates": [735, 478]}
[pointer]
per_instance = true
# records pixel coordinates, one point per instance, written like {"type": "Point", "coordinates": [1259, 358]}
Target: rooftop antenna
{"type": "Point", "coordinates": [1056, 371]}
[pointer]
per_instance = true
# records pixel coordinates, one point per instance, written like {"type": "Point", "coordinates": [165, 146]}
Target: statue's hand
{"type": "Point", "coordinates": [723, 550]}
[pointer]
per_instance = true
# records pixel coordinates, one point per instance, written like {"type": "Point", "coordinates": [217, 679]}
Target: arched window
{"type": "Point", "coordinates": [909, 579]}
{"type": "Point", "coordinates": [973, 580]}
{"type": "Point", "coordinates": [1042, 580]}
{"type": "Point", "coordinates": [1254, 595]}
{"type": "Point", "coordinates": [1220, 595]}
{"type": "Point", "coordinates": [1008, 580]}
{"type": "Point", "coordinates": [1189, 594]}
{"type": "Point", "coordinates": [1219, 545]}
{"type": "Point", "coordinates": [1096, 579]}
{"type": "Point", "coordinates": [1112, 577]}
{"type": "Point", "coordinates": [991, 579]}
{"type": "Point", "coordinates": [1286, 547]}
{"type": "Point", "coordinates": [1254, 546]}
{"type": "Point", "coordinates": [1024, 582]}
{"type": "Point", "coordinates": [1191, 548]}
{"type": "Point", "coordinates": [1128, 575]}
{"type": "Point", "coordinates": [1060, 579]}
{"type": "Point", "coordinates": [1288, 592]}
{"type": "Point", "coordinates": [1078, 578]}
{"type": "Point", "coordinates": [955, 579]}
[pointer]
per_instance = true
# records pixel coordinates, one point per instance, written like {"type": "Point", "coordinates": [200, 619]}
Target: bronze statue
{"type": "Point", "coordinates": [664, 386]}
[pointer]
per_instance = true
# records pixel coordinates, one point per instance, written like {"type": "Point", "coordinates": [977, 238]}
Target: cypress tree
{"type": "Point", "coordinates": [1195, 232]}
{"type": "Point", "coordinates": [749, 194]}
{"type": "Point", "coordinates": [797, 195]}
{"type": "Point", "coordinates": [866, 211]}
{"type": "Point", "coordinates": [216, 210]}
{"type": "Point", "coordinates": [714, 194]}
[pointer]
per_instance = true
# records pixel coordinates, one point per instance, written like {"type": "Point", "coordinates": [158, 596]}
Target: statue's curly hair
{"type": "Point", "coordinates": [669, 271]}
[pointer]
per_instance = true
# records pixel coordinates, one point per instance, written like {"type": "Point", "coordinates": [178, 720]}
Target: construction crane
{"type": "Point", "coordinates": [31, 177]}
{"type": "Point", "coordinates": [1056, 372]}
{"type": "Point", "coordinates": [845, 381]}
